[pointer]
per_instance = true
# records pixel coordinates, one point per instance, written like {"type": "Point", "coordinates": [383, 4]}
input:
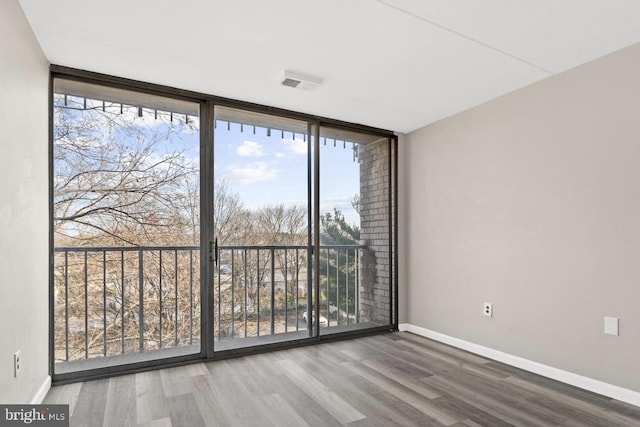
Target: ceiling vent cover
{"type": "Point", "coordinates": [301, 81]}
{"type": "Point", "coordinates": [290, 82]}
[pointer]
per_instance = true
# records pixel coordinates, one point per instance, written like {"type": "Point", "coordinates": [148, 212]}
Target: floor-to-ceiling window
{"type": "Point", "coordinates": [184, 227]}
{"type": "Point", "coordinates": [126, 226]}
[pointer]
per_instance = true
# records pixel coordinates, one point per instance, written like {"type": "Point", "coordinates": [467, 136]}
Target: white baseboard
{"type": "Point", "coordinates": [42, 391]}
{"type": "Point", "coordinates": [609, 390]}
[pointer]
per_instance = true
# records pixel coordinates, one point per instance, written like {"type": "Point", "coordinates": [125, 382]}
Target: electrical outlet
{"type": "Point", "coordinates": [488, 309]}
{"type": "Point", "coordinates": [16, 363]}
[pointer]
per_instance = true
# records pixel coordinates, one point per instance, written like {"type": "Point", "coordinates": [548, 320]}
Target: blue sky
{"type": "Point", "coordinates": [265, 169]}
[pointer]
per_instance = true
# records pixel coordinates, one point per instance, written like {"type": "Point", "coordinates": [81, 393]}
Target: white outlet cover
{"type": "Point", "coordinates": [488, 309]}
{"type": "Point", "coordinates": [611, 325]}
{"type": "Point", "coordinates": [17, 362]}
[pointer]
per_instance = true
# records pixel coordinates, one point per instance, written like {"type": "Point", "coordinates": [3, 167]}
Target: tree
{"type": "Point", "coordinates": [339, 264]}
{"type": "Point", "coordinates": [120, 178]}
{"type": "Point", "coordinates": [231, 220]}
{"type": "Point", "coordinates": [355, 203]}
{"type": "Point", "coordinates": [281, 225]}
{"type": "Point", "coordinates": [334, 230]}
{"type": "Point", "coordinates": [254, 256]}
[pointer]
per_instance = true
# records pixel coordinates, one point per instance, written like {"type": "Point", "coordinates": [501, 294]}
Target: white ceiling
{"type": "Point", "coordinates": [394, 64]}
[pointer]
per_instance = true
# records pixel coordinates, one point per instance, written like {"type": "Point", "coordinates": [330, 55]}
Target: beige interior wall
{"type": "Point", "coordinates": [532, 202]}
{"type": "Point", "coordinates": [23, 207]}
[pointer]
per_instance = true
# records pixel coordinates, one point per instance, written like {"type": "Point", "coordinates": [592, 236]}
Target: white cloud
{"type": "Point", "coordinates": [296, 147]}
{"type": "Point", "coordinates": [250, 173]}
{"type": "Point", "coordinates": [280, 155]}
{"type": "Point", "coordinates": [250, 149]}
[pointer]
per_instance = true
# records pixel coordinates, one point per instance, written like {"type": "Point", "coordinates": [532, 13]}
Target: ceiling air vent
{"type": "Point", "coordinates": [290, 82]}
{"type": "Point", "coordinates": [301, 81]}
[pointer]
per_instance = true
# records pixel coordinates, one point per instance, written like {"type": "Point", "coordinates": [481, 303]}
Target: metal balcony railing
{"type": "Point", "coordinates": [119, 300]}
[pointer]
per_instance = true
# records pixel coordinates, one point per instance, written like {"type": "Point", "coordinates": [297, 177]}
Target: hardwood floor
{"type": "Point", "coordinates": [396, 379]}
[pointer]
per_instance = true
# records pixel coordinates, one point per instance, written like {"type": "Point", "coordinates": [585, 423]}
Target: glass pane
{"type": "Point", "coordinates": [126, 226]}
{"type": "Point", "coordinates": [354, 231]}
{"type": "Point", "coordinates": [261, 217]}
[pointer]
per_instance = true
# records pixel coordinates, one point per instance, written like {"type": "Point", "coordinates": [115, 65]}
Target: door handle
{"type": "Point", "coordinates": [215, 251]}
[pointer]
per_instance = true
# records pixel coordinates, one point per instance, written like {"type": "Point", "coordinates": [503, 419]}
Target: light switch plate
{"type": "Point", "coordinates": [611, 326]}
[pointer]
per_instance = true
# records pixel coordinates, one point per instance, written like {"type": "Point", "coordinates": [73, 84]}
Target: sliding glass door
{"type": "Point", "coordinates": [262, 272]}
{"type": "Point", "coordinates": [272, 282]}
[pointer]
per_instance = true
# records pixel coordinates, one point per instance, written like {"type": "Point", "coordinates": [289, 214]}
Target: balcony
{"type": "Point", "coordinates": [117, 305]}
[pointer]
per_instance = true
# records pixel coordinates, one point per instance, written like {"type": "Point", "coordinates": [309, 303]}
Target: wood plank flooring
{"type": "Point", "coordinates": [395, 379]}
